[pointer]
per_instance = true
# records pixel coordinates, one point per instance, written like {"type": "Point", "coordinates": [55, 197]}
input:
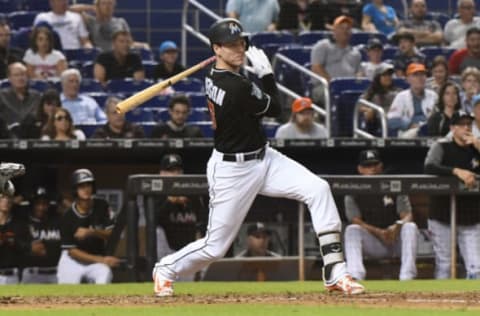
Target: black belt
{"type": "Point", "coordinates": [8, 272]}
{"type": "Point", "coordinates": [245, 157]}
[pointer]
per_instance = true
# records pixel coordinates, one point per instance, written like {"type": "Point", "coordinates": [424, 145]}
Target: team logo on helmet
{"type": "Point", "coordinates": [234, 28]}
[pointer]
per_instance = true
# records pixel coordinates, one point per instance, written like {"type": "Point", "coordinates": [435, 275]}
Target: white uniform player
{"type": "Point", "coordinates": [242, 165]}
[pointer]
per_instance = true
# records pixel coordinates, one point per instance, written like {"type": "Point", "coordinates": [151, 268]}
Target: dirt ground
{"type": "Point", "coordinates": [468, 300]}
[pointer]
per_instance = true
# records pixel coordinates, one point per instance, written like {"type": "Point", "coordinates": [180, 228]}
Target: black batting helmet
{"type": "Point", "coordinates": [80, 176]}
{"type": "Point", "coordinates": [226, 31]}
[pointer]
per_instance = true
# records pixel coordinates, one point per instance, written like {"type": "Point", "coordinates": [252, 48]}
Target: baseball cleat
{"type": "Point", "coordinates": [10, 170]}
{"type": "Point", "coordinates": [346, 285]}
{"type": "Point", "coordinates": [162, 287]}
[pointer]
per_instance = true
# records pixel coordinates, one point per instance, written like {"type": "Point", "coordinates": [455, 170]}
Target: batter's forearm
{"type": "Point", "coordinates": [270, 87]}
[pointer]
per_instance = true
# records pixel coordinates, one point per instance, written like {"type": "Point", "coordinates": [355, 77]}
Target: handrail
{"type": "Point", "coordinates": [376, 108]}
{"type": "Point", "coordinates": [186, 27]}
{"type": "Point", "coordinates": [325, 112]}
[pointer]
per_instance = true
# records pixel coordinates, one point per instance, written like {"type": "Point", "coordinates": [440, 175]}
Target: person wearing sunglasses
{"type": "Point", "coordinates": [60, 127]}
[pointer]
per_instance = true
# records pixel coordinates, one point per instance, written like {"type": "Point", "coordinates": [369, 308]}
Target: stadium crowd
{"type": "Point", "coordinates": [65, 71]}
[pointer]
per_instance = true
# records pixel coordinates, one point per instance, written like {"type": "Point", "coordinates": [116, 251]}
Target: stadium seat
{"type": "Point", "coordinates": [90, 85]}
{"type": "Point", "coordinates": [342, 113]}
{"type": "Point", "coordinates": [445, 6]}
{"type": "Point", "coordinates": [431, 52]}
{"type": "Point", "coordinates": [205, 127]}
{"type": "Point", "coordinates": [270, 128]}
{"type": "Point", "coordinates": [338, 85]}
{"type": "Point", "coordinates": [363, 37]}
{"type": "Point", "coordinates": [148, 127]}
{"type": "Point", "coordinates": [39, 85]}
{"type": "Point", "coordinates": [87, 69]}
{"type": "Point", "coordinates": [140, 114]}
{"type": "Point", "coordinates": [88, 129]}
{"type": "Point", "coordinates": [36, 5]}
{"type": "Point", "coordinates": [127, 85]}
{"type": "Point", "coordinates": [271, 41]}
{"type": "Point", "coordinates": [286, 74]}
{"type": "Point", "coordinates": [312, 37]}
{"type": "Point", "coordinates": [440, 17]}
{"type": "Point", "coordinates": [149, 66]}
{"type": "Point", "coordinates": [158, 102]}
{"type": "Point", "coordinates": [100, 97]}
{"type": "Point", "coordinates": [198, 100]}
{"type": "Point", "coordinates": [9, 5]}
{"type": "Point", "coordinates": [78, 56]}
{"type": "Point", "coordinates": [145, 54]}
{"type": "Point", "coordinates": [19, 19]}
{"type": "Point", "coordinates": [401, 83]}
{"type": "Point", "coordinates": [189, 85]}
{"type": "Point", "coordinates": [299, 54]}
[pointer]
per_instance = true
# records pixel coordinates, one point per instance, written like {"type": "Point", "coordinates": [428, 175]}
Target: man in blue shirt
{"type": "Point", "coordinates": [84, 109]}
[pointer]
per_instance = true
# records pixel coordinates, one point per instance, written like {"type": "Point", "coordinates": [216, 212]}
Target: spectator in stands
{"type": "Point", "coordinates": [439, 72]}
{"type": "Point", "coordinates": [43, 62]}
{"type": "Point", "coordinates": [381, 92]}
{"type": "Point", "coordinates": [15, 242]}
{"type": "Point", "coordinates": [41, 265]}
{"type": "Point", "coordinates": [333, 9]}
{"type": "Point", "coordinates": [476, 114]}
{"type": "Point", "coordinates": [407, 53]}
{"type": "Point", "coordinates": [258, 242]}
{"type": "Point", "coordinates": [374, 53]}
{"type": "Point", "coordinates": [470, 87]}
{"type": "Point", "coordinates": [179, 216]}
{"type": "Point", "coordinates": [336, 58]}
{"type": "Point", "coordinates": [8, 54]}
{"type": "Point", "coordinates": [448, 103]}
{"type": "Point", "coordinates": [378, 17]}
{"type": "Point", "coordinates": [466, 57]}
{"type": "Point", "coordinates": [117, 126]}
{"type": "Point", "coordinates": [17, 101]}
{"type": "Point", "coordinates": [83, 108]}
{"type": "Point", "coordinates": [411, 107]}
{"type": "Point", "coordinates": [456, 29]}
{"type": "Point", "coordinates": [302, 123]}
{"type": "Point", "coordinates": [85, 229]}
{"type": "Point", "coordinates": [179, 109]}
{"type": "Point", "coordinates": [118, 63]}
{"type": "Point", "coordinates": [255, 16]}
{"type": "Point", "coordinates": [168, 64]}
{"type": "Point", "coordinates": [380, 226]}
{"type": "Point", "coordinates": [101, 24]}
{"type": "Point", "coordinates": [69, 25]}
{"type": "Point", "coordinates": [300, 15]}
{"type": "Point", "coordinates": [60, 127]}
{"type": "Point", "coordinates": [33, 125]}
{"type": "Point", "coordinates": [426, 32]}
{"type": "Point", "coordinates": [458, 157]}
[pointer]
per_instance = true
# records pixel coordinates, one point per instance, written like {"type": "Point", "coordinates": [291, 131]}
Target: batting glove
{"type": "Point", "coordinates": [260, 63]}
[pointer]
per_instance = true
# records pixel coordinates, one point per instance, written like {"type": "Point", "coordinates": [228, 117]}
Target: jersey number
{"type": "Point", "coordinates": [211, 109]}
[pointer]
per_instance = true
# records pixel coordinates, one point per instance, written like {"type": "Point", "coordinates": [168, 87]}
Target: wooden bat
{"type": "Point", "coordinates": [150, 92]}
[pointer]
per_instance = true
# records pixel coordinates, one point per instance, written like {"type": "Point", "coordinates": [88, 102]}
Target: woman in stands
{"type": "Point", "coordinates": [381, 92]}
{"type": "Point", "coordinates": [60, 127]}
{"type": "Point", "coordinates": [439, 74]}
{"type": "Point", "coordinates": [438, 123]}
{"type": "Point", "coordinates": [378, 17]}
{"type": "Point", "coordinates": [43, 62]}
{"type": "Point", "coordinates": [32, 126]}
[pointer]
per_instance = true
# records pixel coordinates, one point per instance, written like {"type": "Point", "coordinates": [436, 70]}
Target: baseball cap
{"type": "Point", "coordinates": [257, 228]}
{"type": "Point", "coordinates": [383, 68]}
{"type": "Point", "coordinates": [369, 157]}
{"type": "Point", "coordinates": [171, 161]}
{"type": "Point", "coordinates": [167, 45]}
{"type": "Point", "coordinates": [301, 104]}
{"type": "Point", "coordinates": [459, 115]}
{"type": "Point", "coordinates": [374, 43]}
{"type": "Point", "coordinates": [415, 67]}
{"type": "Point", "coordinates": [343, 19]}
{"type": "Point", "coordinates": [403, 35]}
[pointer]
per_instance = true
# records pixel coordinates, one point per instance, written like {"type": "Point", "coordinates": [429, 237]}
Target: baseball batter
{"type": "Point", "coordinates": [242, 165]}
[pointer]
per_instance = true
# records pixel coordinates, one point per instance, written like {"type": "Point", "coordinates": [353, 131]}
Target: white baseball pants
{"type": "Point", "coordinates": [71, 271]}
{"type": "Point", "coordinates": [359, 243]}
{"type": "Point", "coordinates": [468, 239]}
{"type": "Point", "coordinates": [233, 187]}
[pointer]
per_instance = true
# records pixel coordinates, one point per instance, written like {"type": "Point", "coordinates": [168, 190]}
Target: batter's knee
{"type": "Point", "coordinates": [214, 252]}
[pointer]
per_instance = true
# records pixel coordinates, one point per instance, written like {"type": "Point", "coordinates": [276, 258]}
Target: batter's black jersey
{"type": "Point", "coordinates": [442, 157]}
{"type": "Point", "coordinates": [236, 107]}
{"type": "Point", "coordinates": [15, 243]}
{"type": "Point", "coordinates": [48, 232]}
{"type": "Point", "coordinates": [97, 218]}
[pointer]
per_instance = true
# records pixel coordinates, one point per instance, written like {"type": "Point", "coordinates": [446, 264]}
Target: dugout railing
{"type": "Point", "coordinates": [148, 186]}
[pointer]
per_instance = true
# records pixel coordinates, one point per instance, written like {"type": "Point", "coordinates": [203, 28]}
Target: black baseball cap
{"type": "Point", "coordinates": [459, 115]}
{"type": "Point", "coordinates": [257, 228]}
{"type": "Point", "coordinates": [369, 157]}
{"type": "Point", "coordinates": [171, 161]}
{"type": "Point", "coordinates": [374, 43]}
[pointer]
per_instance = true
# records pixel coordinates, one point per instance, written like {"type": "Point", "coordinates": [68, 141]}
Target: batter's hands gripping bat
{"type": "Point", "coordinates": [150, 92]}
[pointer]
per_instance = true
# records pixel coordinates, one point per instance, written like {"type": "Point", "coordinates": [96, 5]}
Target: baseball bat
{"type": "Point", "coordinates": [150, 92]}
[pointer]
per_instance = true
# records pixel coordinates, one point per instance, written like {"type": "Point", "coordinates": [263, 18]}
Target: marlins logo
{"type": "Point", "coordinates": [234, 28]}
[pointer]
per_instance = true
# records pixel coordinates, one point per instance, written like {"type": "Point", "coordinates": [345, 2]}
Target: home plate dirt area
{"type": "Point", "coordinates": [470, 300]}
